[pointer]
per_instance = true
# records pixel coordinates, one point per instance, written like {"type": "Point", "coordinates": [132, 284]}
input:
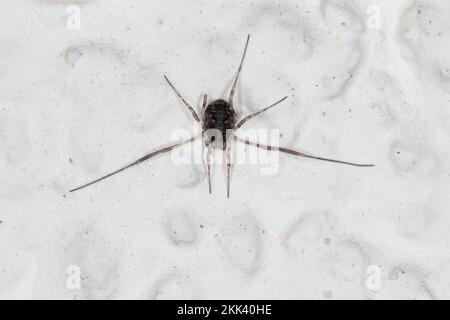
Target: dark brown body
{"type": "Point", "coordinates": [219, 116]}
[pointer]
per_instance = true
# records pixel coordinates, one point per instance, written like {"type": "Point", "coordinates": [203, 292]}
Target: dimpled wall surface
{"type": "Point", "coordinates": [82, 93]}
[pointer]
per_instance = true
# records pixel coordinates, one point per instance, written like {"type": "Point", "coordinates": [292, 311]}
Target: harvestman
{"type": "Point", "coordinates": [219, 117]}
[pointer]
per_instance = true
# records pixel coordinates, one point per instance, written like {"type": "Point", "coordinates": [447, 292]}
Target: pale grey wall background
{"type": "Point", "coordinates": [367, 81]}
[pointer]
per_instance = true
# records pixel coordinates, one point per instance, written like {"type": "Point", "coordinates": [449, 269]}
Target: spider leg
{"type": "Point", "coordinates": [233, 88]}
{"type": "Point", "coordinates": [194, 114]}
{"type": "Point", "coordinates": [300, 154]}
{"type": "Point", "coordinates": [227, 156]}
{"type": "Point", "coordinates": [144, 158]}
{"type": "Point", "coordinates": [208, 165]}
{"type": "Point", "coordinates": [249, 117]}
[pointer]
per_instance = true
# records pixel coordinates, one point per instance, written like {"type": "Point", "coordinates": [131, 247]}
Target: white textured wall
{"type": "Point", "coordinates": [78, 103]}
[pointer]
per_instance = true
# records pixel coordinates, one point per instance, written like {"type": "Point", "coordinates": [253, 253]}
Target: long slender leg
{"type": "Point", "coordinates": [144, 158]}
{"type": "Point", "coordinates": [240, 123]}
{"type": "Point", "coordinates": [208, 166]}
{"type": "Point", "coordinates": [300, 154]}
{"type": "Point", "coordinates": [227, 155]}
{"type": "Point", "coordinates": [194, 114]}
{"type": "Point", "coordinates": [233, 88]}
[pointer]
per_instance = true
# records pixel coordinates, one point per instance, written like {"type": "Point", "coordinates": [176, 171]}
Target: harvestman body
{"type": "Point", "coordinates": [219, 116]}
